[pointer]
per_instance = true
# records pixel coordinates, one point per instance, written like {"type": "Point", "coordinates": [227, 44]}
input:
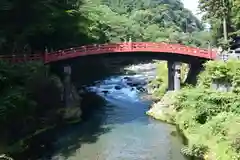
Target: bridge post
{"type": "Point", "coordinates": [174, 77]}
{"type": "Point", "coordinates": [67, 85]}
{"type": "Point", "coordinates": [170, 65]}
{"type": "Point", "coordinates": [45, 55]}
{"type": "Point", "coordinates": [177, 75]}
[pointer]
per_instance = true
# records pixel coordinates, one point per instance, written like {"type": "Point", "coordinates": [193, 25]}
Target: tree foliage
{"type": "Point", "coordinates": [210, 118]}
{"type": "Point", "coordinates": [215, 11]}
{"type": "Point", "coordinates": [31, 26]}
{"type": "Point", "coordinates": [155, 21]}
{"type": "Point", "coordinates": [215, 8]}
{"type": "Point", "coordinates": [24, 106]}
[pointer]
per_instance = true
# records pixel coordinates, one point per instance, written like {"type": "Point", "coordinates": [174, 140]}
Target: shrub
{"type": "Point", "coordinates": [24, 104]}
{"type": "Point", "coordinates": [209, 118]}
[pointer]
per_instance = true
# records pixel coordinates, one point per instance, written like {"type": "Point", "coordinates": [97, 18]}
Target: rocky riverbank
{"type": "Point", "coordinates": [207, 117]}
{"type": "Point", "coordinates": [164, 109]}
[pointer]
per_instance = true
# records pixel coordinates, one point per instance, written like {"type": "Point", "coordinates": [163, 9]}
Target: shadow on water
{"type": "Point", "coordinates": [67, 138]}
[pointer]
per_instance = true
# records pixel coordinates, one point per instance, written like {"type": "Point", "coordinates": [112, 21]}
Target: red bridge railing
{"type": "Point", "coordinates": [113, 48]}
{"type": "Point", "coordinates": [22, 58]}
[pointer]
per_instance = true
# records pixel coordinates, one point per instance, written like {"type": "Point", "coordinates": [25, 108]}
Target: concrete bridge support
{"type": "Point", "coordinates": [67, 86]}
{"type": "Point", "coordinates": [174, 77]}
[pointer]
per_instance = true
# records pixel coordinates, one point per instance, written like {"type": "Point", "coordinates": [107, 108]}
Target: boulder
{"type": "Point", "coordinates": [132, 84]}
{"type": "Point", "coordinates": [105, 91]}
{"type": "Point", "coordinates": [118, 87]}
{"type": "Point", "coordinates": [72, 113]}
{"type": "Point", "coordinates": [127, 78]}
{"type": "Point", "coordinates": [141, 89]}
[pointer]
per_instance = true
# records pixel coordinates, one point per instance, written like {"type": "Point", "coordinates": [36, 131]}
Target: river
{"type": "Point", "coordinates": [117, 129]}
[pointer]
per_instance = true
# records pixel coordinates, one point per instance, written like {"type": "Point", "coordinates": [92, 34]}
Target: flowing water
{"type": "Point", "coordinates": [119, 129]}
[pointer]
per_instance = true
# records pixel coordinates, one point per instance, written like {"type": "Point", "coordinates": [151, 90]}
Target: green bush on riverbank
{"type": "Point", "coordinates": [30, 101]}
{"type": "Point", "coordinates": [208, 118]}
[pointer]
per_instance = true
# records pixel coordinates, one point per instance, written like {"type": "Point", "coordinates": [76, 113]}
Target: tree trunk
{"type": "Point", "coordinates": [225, 34]}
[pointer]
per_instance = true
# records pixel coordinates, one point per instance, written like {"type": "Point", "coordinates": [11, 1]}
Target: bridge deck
{"type": "Point", "coordinates": [114, 48]}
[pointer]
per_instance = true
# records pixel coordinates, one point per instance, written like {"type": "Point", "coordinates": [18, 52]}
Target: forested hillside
{"type": "Point", "coordinates": [30, 26]}
{"type": "Point", "coordinates": [165, 13]}
{"type": "Point", "coordinates": [146, 20]}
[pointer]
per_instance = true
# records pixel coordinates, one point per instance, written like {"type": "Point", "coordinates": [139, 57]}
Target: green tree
{"type": "Point", "coordinates": [224, 13]}
{"type": "Point", "coordinates": [33, 25]}
{"type": "Point", "coordinates": [219, 9]}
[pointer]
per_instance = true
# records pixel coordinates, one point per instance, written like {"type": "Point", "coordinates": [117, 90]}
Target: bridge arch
{"type": "Point", "coordinates": [173, 53]}
{"type": "Point", "coordinates": [147, 47]}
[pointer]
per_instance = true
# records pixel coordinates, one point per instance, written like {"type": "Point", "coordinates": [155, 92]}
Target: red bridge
{"type": "Point", "coordinates": [95, 49]}
{"type": "Point", "coordinates": [173, 53]}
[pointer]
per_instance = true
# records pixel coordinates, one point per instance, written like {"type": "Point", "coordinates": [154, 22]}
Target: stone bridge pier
{"type": "Point", "coordinates": [174, 75]}
{"type": "Point", "coordinates": [67, 85]}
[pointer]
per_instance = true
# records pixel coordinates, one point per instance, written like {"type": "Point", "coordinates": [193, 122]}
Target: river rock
{"type": "Point", "coordinates": [105, 91]}
{"type": "Point", "coordinates": [132, 84]}
{"type": "Point", "coordinates": [141, 89]}
{"type": "Point", "coordinates": [164, 109]}
{"type": "Point", "coordinates": [127, 78]}
{"type": "Point", "coordinates": [72, 113]}
{"type": "Point", "coordinates": [118, 87]}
